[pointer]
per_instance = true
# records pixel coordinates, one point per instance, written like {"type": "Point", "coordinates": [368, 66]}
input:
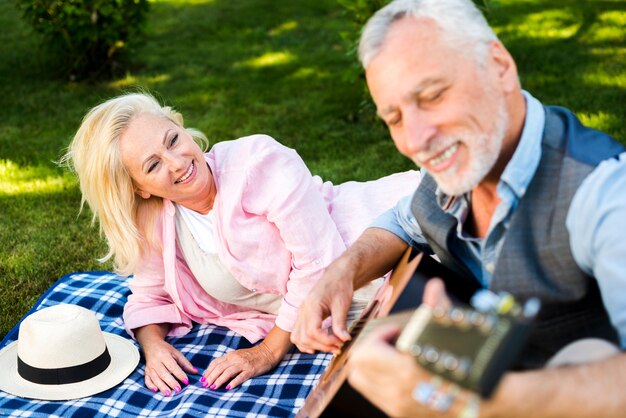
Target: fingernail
{"type": "Point", "coordinates": [168, 393]}
{"type": "Point", "coordinates": [228, 387]}
{"type": "Point", "coordinates": [177, 388]}
{"type": "Point", "coordinates": [154, 390]}
{"type": "Point", "coordinates": [186, 381]}
{"type": "Point", "coordinates": [213, 386]}
{"type": "Point", "coordinates": [205, 384]}
{"type": "Point", "coordinates": [202, 379]}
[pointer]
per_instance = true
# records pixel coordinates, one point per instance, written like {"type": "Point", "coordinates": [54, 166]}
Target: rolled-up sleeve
{"type": "Point", "coordinates": [399, 220]}
{"type": "Point", "coordinates": [149, 303]}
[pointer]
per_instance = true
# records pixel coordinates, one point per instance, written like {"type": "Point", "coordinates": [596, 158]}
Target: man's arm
{"type": "Point", "coordinates": [371, 256]}
{"type": "Point", "coordinates": [591, 390]}
{"type": "Point", "coordinates": [596, 222]}
{"type": "Point", "coordinates": [587, 390]}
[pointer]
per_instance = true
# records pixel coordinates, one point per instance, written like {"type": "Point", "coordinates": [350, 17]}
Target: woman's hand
{"type": "Point", "coordinates": [238, 366]}
{"type": "Point", "coordinates": [165, 365]}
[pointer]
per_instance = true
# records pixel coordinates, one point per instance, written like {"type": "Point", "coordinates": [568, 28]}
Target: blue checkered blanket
{"type": "Point", "coordinates": [277, 394]}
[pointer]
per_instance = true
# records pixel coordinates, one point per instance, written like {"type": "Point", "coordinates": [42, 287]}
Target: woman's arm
{"type": "Point", "coordinates": [281, 189]}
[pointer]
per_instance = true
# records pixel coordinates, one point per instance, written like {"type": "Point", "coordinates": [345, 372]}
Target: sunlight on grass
{"type": "Point", "coordinates": [269, 59]}
{"type": "Point", "coordinates": [15, 179]}
{"type": "Point", "coordinates": [602, 121]}
{"type": "Point", "coordinates": [547, 25]}
{"type": "Point", "coordinates": [603, 79]}
{"type": "Point", "coordinates": [285, 27]}
{"type": "Point", "coordinates": [308, 72]}
{"type": "Point", "coordinates": [183, 2]}
{"type": "Point", "coordinates": [130, 80]}
{"type": "Point", "coordinates": [610, 27]}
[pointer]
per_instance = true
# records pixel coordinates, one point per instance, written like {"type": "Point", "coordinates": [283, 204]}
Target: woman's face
{"type": "Point", "coordinates": [163, 160]}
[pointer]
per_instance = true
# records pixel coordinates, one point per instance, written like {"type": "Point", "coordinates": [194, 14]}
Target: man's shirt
{"type": "Point", "coordinates": [596, 219]}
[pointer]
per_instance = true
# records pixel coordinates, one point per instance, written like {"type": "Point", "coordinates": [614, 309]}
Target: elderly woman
{"type": "Point", "coordinates": [234, 237]}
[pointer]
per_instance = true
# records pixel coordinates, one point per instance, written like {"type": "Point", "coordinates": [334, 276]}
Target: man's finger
{"type": "Point", "coordinates": [435, 294]}
{"type": "Point", "coordinates": [339, 313]}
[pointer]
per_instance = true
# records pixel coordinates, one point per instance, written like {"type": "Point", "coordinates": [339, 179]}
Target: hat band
{"type": "Point", "coordinates": [65, 375]}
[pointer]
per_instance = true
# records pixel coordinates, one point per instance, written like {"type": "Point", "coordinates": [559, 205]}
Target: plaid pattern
{"type": "Point", "coordinates": [278, 394]}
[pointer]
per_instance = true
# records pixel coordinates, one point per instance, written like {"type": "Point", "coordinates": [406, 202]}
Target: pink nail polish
{"type": "Point", "coordinates": [205, 384]}
{"type": "Point", "coordinates": [186, 381]}
{"type": "Point", "coordinates": [212, 386]}
{"type": "Point", "coordinates": [168, 393]}
{"type": "Point", "coordinates": [202, 379]}
{"type": "Point", "coordinates": [177, 389]}
{"type": "Point", "coordinates": [154, 390]}
{"type": "Point", "coordinates": [228, 387]}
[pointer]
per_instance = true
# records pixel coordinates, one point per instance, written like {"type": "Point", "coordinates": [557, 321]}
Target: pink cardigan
{"type": "Point", "coordinates": [277, 227]}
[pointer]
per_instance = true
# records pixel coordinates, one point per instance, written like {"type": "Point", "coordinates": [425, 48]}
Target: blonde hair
{"type": "Point", "coordinates": [127, 222]}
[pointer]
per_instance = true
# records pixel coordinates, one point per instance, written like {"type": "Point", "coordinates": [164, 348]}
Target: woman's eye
{"type": "Point", "coordinates": [152, 166]}
{"type": "Point", "coordinates": [174, 140]}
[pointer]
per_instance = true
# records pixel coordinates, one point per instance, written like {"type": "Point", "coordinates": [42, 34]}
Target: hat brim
{"type": "Point", "coordinates": [124, 359]}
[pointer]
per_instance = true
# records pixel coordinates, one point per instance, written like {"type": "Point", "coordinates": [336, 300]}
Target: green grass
{"type": "Point", "coordinates": [254, 66]}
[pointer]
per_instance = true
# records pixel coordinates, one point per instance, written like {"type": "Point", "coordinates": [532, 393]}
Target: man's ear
{"type": "Point", "coordinates": [504, 66]}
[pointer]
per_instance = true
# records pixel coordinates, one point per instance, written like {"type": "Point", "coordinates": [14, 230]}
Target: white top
{"type": "Point", "coordinates": [209, 271]}
{"type": "Point", "coordinates": [201, 227]}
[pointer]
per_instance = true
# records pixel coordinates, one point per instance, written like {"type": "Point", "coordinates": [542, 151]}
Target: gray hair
{"type": "Point", "coordinates": [463, 25]}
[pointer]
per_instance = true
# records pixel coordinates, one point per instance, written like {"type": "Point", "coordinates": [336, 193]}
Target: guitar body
{"type": "Point", "coordinates": [333, 396]}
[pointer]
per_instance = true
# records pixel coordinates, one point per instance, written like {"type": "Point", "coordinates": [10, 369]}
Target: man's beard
{"type": "Point", "coordinates": [484, 150]}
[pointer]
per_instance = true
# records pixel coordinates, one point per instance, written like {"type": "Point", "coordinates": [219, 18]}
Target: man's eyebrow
{"type": "Point", "coordinates": [423, 85]}
{"type": "Point", "coordinates": [153, 155]}
{"type": "Point", "coordinates": [416, 91]}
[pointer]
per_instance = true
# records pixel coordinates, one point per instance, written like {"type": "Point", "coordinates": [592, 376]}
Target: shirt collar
{"type": "Point", "coordinates": [520, 170]}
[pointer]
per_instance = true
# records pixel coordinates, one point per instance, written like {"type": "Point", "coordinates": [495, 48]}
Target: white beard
{"type": "Point", "coordinates": [484, 150]}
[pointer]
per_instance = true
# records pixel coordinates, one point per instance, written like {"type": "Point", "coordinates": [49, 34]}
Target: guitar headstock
{"type": "Point", "coordinates": [466, 346]}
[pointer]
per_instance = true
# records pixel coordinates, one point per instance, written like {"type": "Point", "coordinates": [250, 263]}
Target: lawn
{"type": "Point", "coordinates": [256, 66]}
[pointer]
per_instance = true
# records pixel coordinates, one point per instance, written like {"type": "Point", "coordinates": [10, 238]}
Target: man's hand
{"type": "Point", "coordinates": [397, 374]}
{"type": "Point", "coordinates": [332, 295]}
{"type": "Point", "coordinates": [371, 256]}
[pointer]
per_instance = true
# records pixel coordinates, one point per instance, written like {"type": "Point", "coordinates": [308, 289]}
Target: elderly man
{"type": "Point", "coordinates": [517, 195]}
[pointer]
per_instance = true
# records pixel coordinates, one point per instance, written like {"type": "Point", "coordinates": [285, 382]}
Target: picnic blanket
{"type": "Point", "coordinates": [280, 393]}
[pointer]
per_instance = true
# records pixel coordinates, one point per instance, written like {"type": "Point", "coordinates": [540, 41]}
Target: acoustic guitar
{"type": "Point", "coordinates": [491, 341]}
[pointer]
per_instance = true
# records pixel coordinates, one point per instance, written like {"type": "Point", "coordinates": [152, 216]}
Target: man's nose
{"type": "Point", "coordinates": [417, 134]}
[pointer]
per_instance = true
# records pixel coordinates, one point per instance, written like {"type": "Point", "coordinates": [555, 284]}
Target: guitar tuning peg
{"type": "Point", "coordinates": [430, 354]}
{"type": "Point", "coordinates": [507, 304]}
{"type": "Point", "coordinates": [531, 308]}
{"type": "Point", "coordinates": [485, 300]}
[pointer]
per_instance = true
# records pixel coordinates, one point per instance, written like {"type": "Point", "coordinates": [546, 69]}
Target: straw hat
{"type": "Point", "coordinates": [61, 354]}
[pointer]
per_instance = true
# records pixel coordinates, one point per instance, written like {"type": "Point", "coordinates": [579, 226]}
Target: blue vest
{"type": "Point", "coordinates": [535, 258]}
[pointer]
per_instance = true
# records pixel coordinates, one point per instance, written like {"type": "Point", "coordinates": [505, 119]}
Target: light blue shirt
{"type": "Point", "coordinates": [598, 244]}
